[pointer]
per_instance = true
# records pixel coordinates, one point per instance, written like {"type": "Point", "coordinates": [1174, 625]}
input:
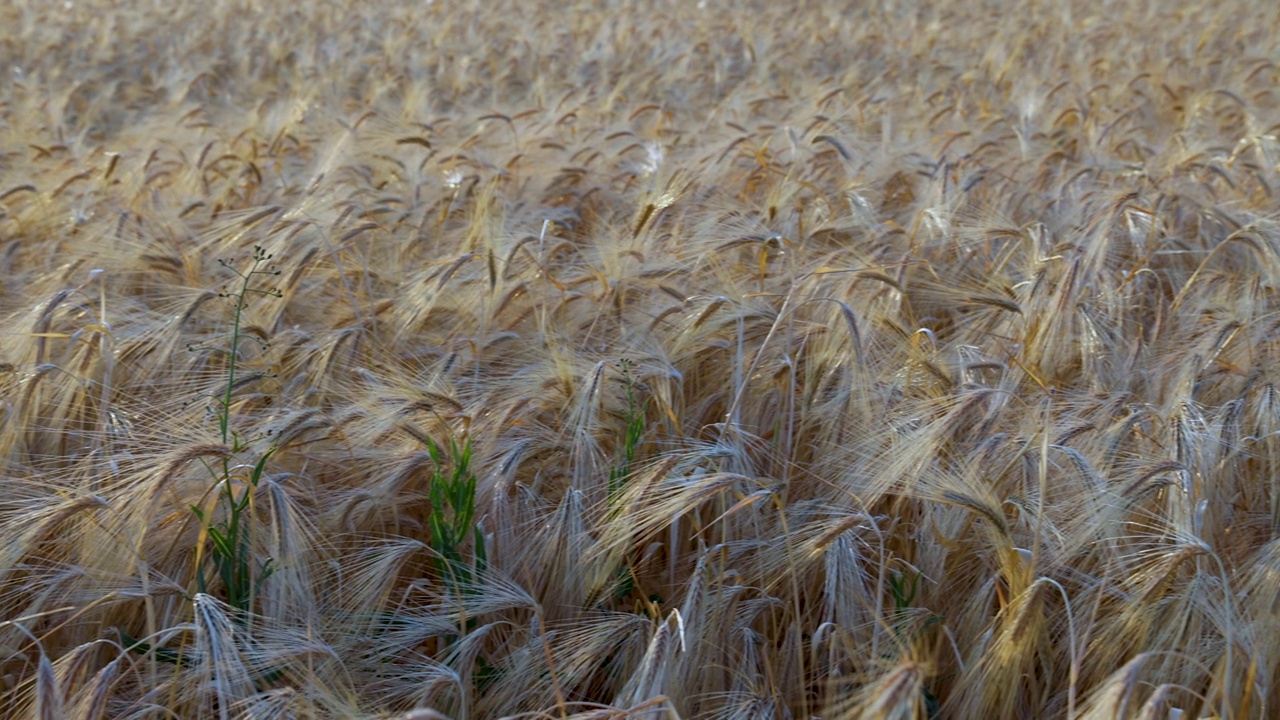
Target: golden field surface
{"type": "Point", "coordinates": [639, 359]}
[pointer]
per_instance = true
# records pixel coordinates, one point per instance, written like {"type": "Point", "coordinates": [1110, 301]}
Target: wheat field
{"type": "Point", "coordinates": [545, 360]}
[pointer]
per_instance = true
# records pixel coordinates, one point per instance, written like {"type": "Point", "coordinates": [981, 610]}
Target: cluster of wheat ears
{"type": "Point", "coordinates": [639, 359]}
